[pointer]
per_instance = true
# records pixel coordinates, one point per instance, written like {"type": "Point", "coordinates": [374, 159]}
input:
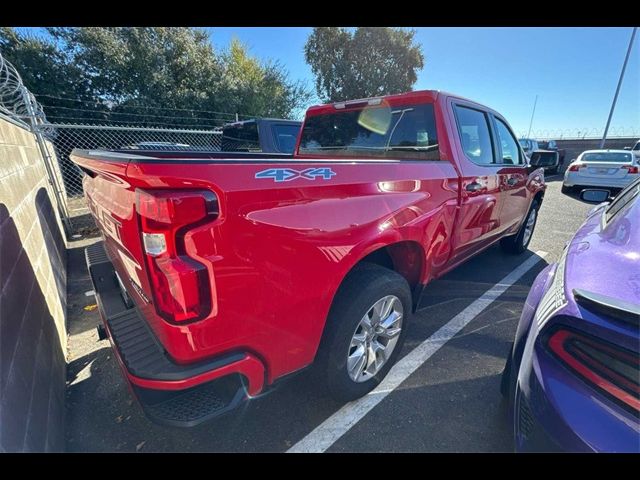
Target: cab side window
{"type": "Point", "coordinates": [509, 145]}
{"type": "Point", "coordinates": [473, 126]}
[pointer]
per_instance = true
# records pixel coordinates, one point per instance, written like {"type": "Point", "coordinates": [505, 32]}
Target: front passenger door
{"type": "Point", "coordinates": [513, 177]}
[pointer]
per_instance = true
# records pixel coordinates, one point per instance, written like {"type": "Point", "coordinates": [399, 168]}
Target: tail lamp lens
{"type": "Point", "coordinates": [180, 283]}
{"type": "Point", "coordinates": [575, 167]}
{"type": "Point", "coordinates": [612, 370]}
{"type": "Point", "coordinates": [631, 168]}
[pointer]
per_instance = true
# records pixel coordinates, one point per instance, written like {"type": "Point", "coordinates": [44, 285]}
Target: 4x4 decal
{"type": "Point", "coordinates": [288, 174]}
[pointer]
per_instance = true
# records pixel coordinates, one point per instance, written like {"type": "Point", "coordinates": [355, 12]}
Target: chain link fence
{"type": "Point", "coordinates": [57, 140]}
{"type": "Point", "coordinates": [18, 105]}
{"type": "Point", "coordinates": [65, 137]}
{"type": "Point", "coordinates": [583, 133]}
{"type": "Point", "coordinates": [16, 102]}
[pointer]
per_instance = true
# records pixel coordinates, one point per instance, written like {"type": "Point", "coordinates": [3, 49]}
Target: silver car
{"type": "Point", "coordinates": [602, 168]}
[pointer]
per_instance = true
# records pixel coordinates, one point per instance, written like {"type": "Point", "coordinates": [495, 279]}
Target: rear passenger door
{"type": "Point", "coordinates": [512, 176]}
{"type": "Point", "coordinates": [479, 218]}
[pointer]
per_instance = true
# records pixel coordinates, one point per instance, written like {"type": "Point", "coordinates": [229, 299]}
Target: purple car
{"type": "Point", "coordinates": [572, 378]}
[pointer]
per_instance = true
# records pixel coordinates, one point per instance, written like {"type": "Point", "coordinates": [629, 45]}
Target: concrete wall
{"type": "Point", "coordinates": [32, 299]}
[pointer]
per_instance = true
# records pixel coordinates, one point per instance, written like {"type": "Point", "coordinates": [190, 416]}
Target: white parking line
{"type": "Point", "coordinates": [334, 427]}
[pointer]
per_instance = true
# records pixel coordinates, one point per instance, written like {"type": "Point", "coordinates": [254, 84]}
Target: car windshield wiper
{"type": "Point", "coordinates": [412, 148]}
{"type": "Point", "coordinates": [408, 148]}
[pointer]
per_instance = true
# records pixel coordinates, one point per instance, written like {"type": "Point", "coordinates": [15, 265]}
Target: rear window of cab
{"type": "Point", "coordinates": [380, 131]}
{"type": "Point", "coordinates": [615, 157]}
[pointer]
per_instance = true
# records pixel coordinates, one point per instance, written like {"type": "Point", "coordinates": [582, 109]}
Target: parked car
{"type": "Point", "coordinates": [601, 168]}
{"type": "Point", "coordinates": [636, 150]}
{"type": "Point", "coordinates": [553, 145]}
{"type": "Point", "coordinates": [269, 135]}
{"type": "Point", "coordinates": [572, 378]}
{"type": "Point", "coordinates": [529, 145]}
{"type": "Point", "coordinates": [242, 272]}
{"type": "Point", "coordinates": [549, 160]}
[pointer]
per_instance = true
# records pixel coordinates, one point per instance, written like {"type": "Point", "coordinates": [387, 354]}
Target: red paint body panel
{"type": "Point", "coordinates": [249, 366]}
{"type": "Point", "coordinates": [278, 251]}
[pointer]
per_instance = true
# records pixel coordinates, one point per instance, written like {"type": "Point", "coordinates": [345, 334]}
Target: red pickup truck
{"type": "Point", "coordinates": [222, 273]}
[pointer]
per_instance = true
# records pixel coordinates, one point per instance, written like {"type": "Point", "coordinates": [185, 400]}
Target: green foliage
{"type": "Point", "coordinates": [369, 62]}
{"type": "Point", "coordinates": [250, 86]}
{"type": "Point", "coordinates": [142, 74]}
{"type": "Point", "coordinates": [41, 66]}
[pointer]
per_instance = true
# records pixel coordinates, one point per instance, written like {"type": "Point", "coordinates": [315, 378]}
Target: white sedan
{"type": "Point", "coordinates": [602, 168]}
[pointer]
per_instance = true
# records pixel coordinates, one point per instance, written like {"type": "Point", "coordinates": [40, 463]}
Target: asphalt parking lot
{"type": "Point", "coordinates": [449, 403]}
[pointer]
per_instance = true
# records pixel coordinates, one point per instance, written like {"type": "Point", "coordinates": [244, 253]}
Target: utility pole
{"type": "Point", "coordinates": [615, 97]}
{"type": "Point", "coordinates": [532, 114]}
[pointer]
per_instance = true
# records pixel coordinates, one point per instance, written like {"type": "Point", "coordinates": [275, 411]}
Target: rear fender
{"type": "Point", "coordinates": [539, 287]}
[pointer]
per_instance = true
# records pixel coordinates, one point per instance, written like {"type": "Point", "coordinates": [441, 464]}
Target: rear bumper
{"type": "Point", "coordinates": [573, 179]}
{"type": "Point", "coordinates": [555, 411]}
{"type": "Point", "coordinates": [173, 394]}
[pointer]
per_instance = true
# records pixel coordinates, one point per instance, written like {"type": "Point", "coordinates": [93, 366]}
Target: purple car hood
{"type": "Point", "coordinates": [605, 258]}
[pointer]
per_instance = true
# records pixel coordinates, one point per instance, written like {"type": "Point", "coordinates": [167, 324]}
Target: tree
{"type": "Point", "coordinates": [138, 75]}
{"type": "Point", "coordinates": [248, 85]}
{"type": "Point", "coordinates": [43, 68]}
{"type": "Point", "coordinates": [369, 62]}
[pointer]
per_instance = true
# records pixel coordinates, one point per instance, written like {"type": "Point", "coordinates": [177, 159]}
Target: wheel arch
{"type": "Point", "coordinates": [405, 257]}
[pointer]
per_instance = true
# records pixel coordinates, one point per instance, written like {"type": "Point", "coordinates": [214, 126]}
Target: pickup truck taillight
{"type": "Point", "coordinates": [180, 284]}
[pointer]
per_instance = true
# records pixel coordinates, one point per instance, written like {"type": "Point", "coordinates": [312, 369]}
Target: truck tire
{"type": "Point", "coordinates": [519, 242]}
{"type": "Point", "coordinates": [566, 190]}
{"type": "Point", "coordinates": [365, 331]}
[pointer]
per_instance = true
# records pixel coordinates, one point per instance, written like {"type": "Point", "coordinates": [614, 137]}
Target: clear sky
{"type": "Point", "coordinates": [574, 71]}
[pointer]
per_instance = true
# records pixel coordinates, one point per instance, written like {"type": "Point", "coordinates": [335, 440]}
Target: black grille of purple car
{"type": "Point", "coordinates": [525, 419]}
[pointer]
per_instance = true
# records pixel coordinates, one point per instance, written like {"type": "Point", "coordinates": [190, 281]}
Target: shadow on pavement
{"type": "Point", "coordinates": [102, 415]}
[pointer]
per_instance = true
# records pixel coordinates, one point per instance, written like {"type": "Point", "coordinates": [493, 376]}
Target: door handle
{"type": "Point", "coordinates": [473, 187]}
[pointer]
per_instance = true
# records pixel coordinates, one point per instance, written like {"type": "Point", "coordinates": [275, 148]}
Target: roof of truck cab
{"type": "Point", "coordinates": [418, 95]}
{"type": "Point", "coordinates": [398, 99]}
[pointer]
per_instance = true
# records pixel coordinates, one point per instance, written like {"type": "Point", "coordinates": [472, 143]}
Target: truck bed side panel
{"type": "Point", "coordinates": [285, 243]}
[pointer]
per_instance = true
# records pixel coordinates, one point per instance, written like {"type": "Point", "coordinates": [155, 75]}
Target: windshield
{"type": "Point", "coordinates": [524, 143]}
{"type": "Point", "coordinates": [619, 157]}
{"type": "Point", "coordinates": [405, 132]}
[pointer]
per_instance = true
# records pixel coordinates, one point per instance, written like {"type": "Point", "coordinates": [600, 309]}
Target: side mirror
{"type": "Point", "coordinates": [534, 160]}
{"type": "Point", "coordinates": [594, 195]}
